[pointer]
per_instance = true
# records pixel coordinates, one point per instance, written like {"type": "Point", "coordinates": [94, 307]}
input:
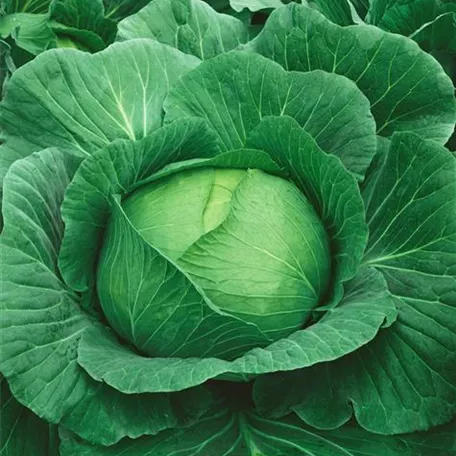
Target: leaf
{"type": "Point", "coordinates": [70, 37]}
{"type": "Point", "coordinates": [432, 24]}
{"type": "Point", "coordinates": [234, 91]}
{"type": "Point", "coordinates": [26, 6]}
{"type": "Point", "coordinates": [82, 102]}
{"type": "Point", "coordinates": [23, 432]}
{"type": "Point", "coordinates": [361, 7]}
{"type": "Point", "coordinates": [439, 39]}
{"type": "Point", "coordinates": [6, 67]}
{"type": "Point", "coordinates": [42, 321]}
{"type": "Point", "coordinates": [85, 15]}
{"type": "Point", "coordinates": [238, 158]}
{"type": "Point", "coordinates": [439, 35]}
{"type": "Point", "coordinates": [30, 32]}
{"type": "Point", "coordinates": [339, 12]}
{"type": "Point", "coordinates": [404, 380]}
{"type": "Point", "coordinates": [332, 190]}
{"type": "Point", "coordinates": [406, 17]}
{"type": "Point", "coordinates": [106, 360]}
{"type": "Point", "coordinates": [245, 433]}
{"type": "Point", "coordinates": [191, 26]}
{"type": "Point", "coordinates": [407, 89]}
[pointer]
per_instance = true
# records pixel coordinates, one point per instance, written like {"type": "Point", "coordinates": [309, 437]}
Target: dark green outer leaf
{"type": "Point", "coordinates": [21, 432]}
{"type": "Point", "coordinates": [26, 6]}
{"type": "Point", "coordinates": [439, 39]}
{"type": "Point", "coordinates": [30, 32]}
{"type": "Point", "coordinates": [191, 26]}
{"type": "Point", "coordinates": [234, 91]}
{"type": "Point", "coordinates": [254, 5]}
{"type": "Point", "coordinates": [82, 102]}
{"type": "Point", "coordinates": [338, 11]}
{"type": "Point", "coordinates": [85, 15]}
{"type": "Point", "coordinates": [361, 7]}
{"type": "Point", "coordinates": [84, 40]}
{"type": "Point", "coordinates": [439, 35]}
{"type": "Point", "coordinates": [247, 434]}
{"type": "Point", "coordinates": [404, 16]}
{"type": "Point", "coordinates": [407, 88]}
{"type": "Point", "coordinates": [431, 23]}
{"type": "Point", "coordinates": [6, 66]}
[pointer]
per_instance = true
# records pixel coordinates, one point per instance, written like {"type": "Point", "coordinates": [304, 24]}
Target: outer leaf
{"type": "Point", "coordinates": [26, 6]}
{"type": "Point", "coordinates": [439, 35]}
{"type": "Point", "coordinates": [361, 7]}
{"type": "Point", "coordinates": [106, 360]}
{"type": "Point", "coordinates": [431, 23]}
{"type": "Point", "coordinates": [21, 431]}
{"type": "Point", "coordinates": [191, 26]}
{"type": "Point", "coordinates": [340, 12]}
{"type": "Point", "coordinates": [405, 379]}
{"type": "Point", "coordinates": [236, 90]}
{"type": "Point", "coordinates": [405, 16]}
{"type": "Point", "coordinates": [84, 15]}
{"type": "Point", "coordinates": [407, 89]}
{"type": "Point", "coordinates": [82, 102]}
{"type": "Point", "coordinates": [70, 37]}
{"type": "Point", "coordinates": [42, 322]}
{"type": "Point", "coordinates": [30, 32]}
{"type": "Point", "coordinates": [6, 66]}
{"type": "Point", "coordinates": [439, 39]}
{"type": "Point", "coordinates": [332, 190]}
{"type": "Point", "coordinates": [239, 158]}
{"type": "Point", "coordinates": [247, 434]}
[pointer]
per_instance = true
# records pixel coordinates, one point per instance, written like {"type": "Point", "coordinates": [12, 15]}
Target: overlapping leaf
{"type": "Point", "coordinates": [191, 26]}
{"type": "Point", "coordinates": [80, 102]}
{"type": "Point", "coordinates": [404, 379]}
{"type": "Point", "coordinates": [248, 434]}
{"type": "Point", "coordinates": [234, 91]}
{"type": "Point", "coordinates": [21, 431]}
{"type": "Point", "coordinates": [407, 89]}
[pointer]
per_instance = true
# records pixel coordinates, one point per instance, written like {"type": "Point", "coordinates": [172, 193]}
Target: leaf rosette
{"type": "Point", "coordinates": [194, 216]}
